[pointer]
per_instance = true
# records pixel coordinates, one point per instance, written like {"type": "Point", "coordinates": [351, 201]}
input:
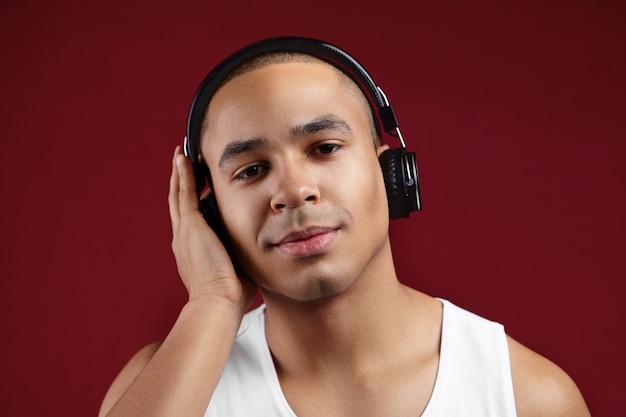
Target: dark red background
{"type": "Point", "coordinates": [515, 109]}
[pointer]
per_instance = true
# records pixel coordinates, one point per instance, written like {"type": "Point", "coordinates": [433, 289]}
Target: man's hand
{"type": "Point", "coordinates": [203, 261]}
{"type": "Point", "coordinates": [178, 376]}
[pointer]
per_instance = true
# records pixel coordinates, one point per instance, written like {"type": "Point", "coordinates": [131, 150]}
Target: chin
{"type": "Point", "coordinates": [314, 288]}
{"type": "Point", "coordinates": [323, 289]}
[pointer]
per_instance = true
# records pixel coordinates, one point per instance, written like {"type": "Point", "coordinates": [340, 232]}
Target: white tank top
{"type": "Point", "coordinates": [473, 379]}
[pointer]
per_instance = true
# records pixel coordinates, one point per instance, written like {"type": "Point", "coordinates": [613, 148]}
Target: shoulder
{"type": "Point", "coordinates": [127, 375]}
{"type": "Point", "coordinates": [542, 388]}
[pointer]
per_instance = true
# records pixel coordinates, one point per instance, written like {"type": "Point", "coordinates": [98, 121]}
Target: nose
{"type": "Point", "coordinates": [296, 185]}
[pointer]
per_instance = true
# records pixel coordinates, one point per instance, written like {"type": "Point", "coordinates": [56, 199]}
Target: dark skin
{"type": "Point", "coordinates": [318, 249]}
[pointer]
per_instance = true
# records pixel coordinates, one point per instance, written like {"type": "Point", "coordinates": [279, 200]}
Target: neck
{"type": "Point", "coordinates": [374, 317]}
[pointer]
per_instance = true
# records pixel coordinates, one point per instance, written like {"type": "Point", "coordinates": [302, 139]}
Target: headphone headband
{"type": "Point", "coordinates": [382, 111]}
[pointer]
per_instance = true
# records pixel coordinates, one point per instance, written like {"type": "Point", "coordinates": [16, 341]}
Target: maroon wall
{"type": "Point", "coordinates": [515, 110]}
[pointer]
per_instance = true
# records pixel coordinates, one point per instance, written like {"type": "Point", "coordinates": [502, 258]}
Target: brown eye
{"type": "Point", "coordinates": [251, 171]}
{"type": "Point", "coordinates": [327, 148]}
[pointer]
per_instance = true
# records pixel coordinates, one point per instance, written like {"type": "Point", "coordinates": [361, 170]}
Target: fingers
{"type": "Point", "coordinates": [172, 197]}
{"type": "Point", "coordinates": [178, 197]}
{"type": "Point", "coordinates": [182, 197]}
{"type": "Point", "coordinates": [187, 194]}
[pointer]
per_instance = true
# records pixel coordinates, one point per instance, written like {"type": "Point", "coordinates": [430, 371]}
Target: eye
{"type": "Point", "coordinates": [249, 172]}
{"type": "Point", "coordinates": [326, 148]}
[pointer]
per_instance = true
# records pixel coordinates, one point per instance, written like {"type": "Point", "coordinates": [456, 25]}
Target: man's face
{"type": "Point", "coordinates": [297, 180]}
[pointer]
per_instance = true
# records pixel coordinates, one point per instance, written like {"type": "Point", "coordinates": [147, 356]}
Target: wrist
{"type": "Point", "coordinates": [215, 306]}
{"type": "Point", "coordinates": [232, 293]}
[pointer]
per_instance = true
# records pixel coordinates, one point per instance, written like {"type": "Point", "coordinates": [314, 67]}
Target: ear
{"type": "Point", "coordinates": [381, 149]}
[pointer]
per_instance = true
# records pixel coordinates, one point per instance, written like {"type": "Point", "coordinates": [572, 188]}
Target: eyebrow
{"type": "Point", "coordinates": [234, 149]}
{"type": "Point", "coordinates": [326, 122]}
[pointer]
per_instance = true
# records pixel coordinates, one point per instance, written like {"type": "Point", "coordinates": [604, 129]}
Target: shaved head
{"type": "Point", "coordinates": [273, 58]}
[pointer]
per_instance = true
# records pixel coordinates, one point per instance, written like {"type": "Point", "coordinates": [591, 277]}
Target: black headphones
{"type": "Point", "coordinates": [399, 167]}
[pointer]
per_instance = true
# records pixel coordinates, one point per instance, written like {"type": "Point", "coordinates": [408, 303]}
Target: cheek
{"type": "Point", "coordinates": [363, 183]}
{"type": "Point", "coordinates": [239, 216]}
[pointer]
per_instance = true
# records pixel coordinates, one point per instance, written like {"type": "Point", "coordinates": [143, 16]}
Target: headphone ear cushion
{"type": "Point", "coordinates": [391, 165]}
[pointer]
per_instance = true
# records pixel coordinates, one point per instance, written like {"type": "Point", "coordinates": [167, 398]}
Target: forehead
{"type": "Point", "coordinates": [274, 78]}
{"type": "Point", "coordinates": [301, 60]}
{"type": "Point", "coordinates": [264, 60]}
{"type": "Point", "coordinates": [280, 93]}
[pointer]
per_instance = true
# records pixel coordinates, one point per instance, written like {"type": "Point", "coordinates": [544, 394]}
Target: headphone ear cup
{"type": "Point", "coordinates": [210, 212]}
{"type": "Point", "coordinates": [391, 165]}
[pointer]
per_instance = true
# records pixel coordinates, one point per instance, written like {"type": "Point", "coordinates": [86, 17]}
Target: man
{"type": "Point", "coordinates": [292, 148]}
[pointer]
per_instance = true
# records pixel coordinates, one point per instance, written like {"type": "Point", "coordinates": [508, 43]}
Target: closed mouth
{"type": "Point", "coordinates": [307, 242]}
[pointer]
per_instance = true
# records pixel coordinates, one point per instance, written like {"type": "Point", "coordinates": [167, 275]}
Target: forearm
{"type": "Point", "coordinates": [182, 375]}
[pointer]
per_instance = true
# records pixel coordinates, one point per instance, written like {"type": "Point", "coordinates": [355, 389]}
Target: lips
{"type": "Point", "coordinates": [308, 242]}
